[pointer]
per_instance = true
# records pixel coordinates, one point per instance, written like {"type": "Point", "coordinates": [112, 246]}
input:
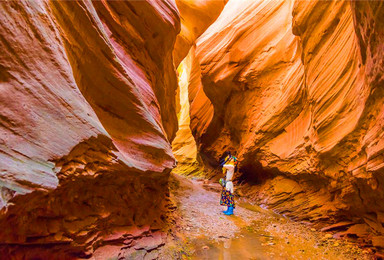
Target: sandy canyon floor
{"type": "Point", "coordinates": [204, 232]}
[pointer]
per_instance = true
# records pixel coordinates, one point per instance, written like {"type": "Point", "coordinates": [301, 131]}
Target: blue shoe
{"type": "Point", "coordinates": [225, 211]}
{"type": "Point", "coordinates": [229, 211]}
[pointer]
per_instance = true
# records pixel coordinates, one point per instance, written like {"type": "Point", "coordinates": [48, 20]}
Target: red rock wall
{"type": "Point", "coordinates": [294, 88]}
{"type": "Point", "coordinates": [125, 71]}
{"type": "Point", "coordinates": [87, 116]}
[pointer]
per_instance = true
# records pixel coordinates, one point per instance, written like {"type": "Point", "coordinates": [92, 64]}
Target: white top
{"type": "Point", "coordinates": [229, 176]}
{"type": "Point", "coordinates": [230, 171]}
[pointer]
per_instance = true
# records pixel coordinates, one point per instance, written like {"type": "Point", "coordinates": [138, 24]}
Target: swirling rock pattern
{"type": "Point", "coordinates": [196, 17]}
{"type": "Point", "coordinates": [87, 116]}
{"type": "Point", "coordinates": [88, 112]}
{"type": "Point", "coordinates": [295, 88]}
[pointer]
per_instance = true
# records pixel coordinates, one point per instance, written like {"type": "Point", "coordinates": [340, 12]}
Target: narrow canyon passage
{"type": "Point", "coordinates": [114, 116]}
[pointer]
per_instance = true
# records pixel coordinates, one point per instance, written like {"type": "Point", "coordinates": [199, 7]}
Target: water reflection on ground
{"type": "Point", "coordinates": [246, 245]}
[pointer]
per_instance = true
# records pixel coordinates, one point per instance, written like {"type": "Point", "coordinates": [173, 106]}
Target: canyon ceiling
{"type": "Point", "coordinates": [89, 105]}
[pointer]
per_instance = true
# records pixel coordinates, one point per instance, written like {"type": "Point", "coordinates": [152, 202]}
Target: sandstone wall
{"type": "Point", "coordinates": [88, 113]}
{"type": "Point", "coordinates": [196, 16]}
{"type": "Point", "coordinates": [87, 116]}
{"type": "Point", "coordinates": [294, 88]}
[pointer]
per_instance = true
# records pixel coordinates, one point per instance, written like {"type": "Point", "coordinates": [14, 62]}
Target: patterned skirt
{"type": "Point", "coordinates": [227, 198]}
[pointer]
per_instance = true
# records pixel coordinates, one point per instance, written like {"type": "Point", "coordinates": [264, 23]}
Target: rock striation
{"type": "Point", "coordinates": [294, 87]}
{"type": "Point", "coordinates": [87, 116]}
{"type": "Point", "coordinates": [196, 17]}
{"type": "Point", "coordinates": [89, 109]}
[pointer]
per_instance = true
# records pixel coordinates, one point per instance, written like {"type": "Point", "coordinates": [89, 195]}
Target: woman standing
{"type": "Point", "coordinates": [227, 197]}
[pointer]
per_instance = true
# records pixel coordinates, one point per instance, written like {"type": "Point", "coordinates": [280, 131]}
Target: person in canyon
{"type": "Point", "coordinates": [227, 195]}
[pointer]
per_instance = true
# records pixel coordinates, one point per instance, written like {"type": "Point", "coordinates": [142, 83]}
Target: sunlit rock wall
{"type": "Point", "coordinates": [87, 116]}
{"type": "Point", "coordinates": [294, 87]}
{"type": "Point", "coordinates": [184, 145]}
{"type": "Point", "coordinates": [196, 16]}
{"type": "Point", "coordinates": [248, 54]}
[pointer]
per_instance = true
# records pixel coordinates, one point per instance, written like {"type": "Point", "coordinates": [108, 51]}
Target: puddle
{"type": "Point", "coordinates": [263, 240]}
{"type": "Point", "coordinates": [248, 244]}
{"type": "Point", "coordinates": [252, 242]}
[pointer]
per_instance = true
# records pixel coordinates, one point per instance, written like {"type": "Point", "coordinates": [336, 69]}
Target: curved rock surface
{"type": "Point", "coordinates": [295, 88]}
{"type": "Point", "coordinates": [232, 61]}
{"type": "Point", "coordinates": [87, 117]}
{"type": "Point", "coordinates": [130, 79]}
{"type": "Point", "coordinates": [88, 112]}
{"type": "Point", "coordinates": [196, 17]}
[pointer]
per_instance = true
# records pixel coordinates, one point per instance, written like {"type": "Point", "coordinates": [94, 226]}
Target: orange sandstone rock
{"type": "Point", "coordinates": [294, 88]}
{"type": "Point", "coordinates": [87, 117]}
{"type": "Point", "coordinates": [131, 87]}
{"type": "Point", "coordinates": [88, 113]}
{"type": "Point", "coordinates": [196, 17]}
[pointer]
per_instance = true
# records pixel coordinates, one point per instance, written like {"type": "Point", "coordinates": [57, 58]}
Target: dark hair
{"type": "Point", "coordinates": [224, 156]}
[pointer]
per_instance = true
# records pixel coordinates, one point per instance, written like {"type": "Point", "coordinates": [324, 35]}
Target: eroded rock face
{"type": "Point", "coordinates": [131, 82]}
{"type": "Point", "coordinates": [196, 17]}
{"type": "Point", "coordinates": [88, 113]}
{"type": "Point", "coordinates": [232, 63]}
{"type": "Point", "coordinates": [99, 202]}
{"type": "Point", "coordinates": [87, 117]}
{"type": "Point", "coordinates": [295, 88]}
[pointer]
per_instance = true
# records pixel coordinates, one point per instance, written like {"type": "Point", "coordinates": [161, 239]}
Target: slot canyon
{"type": "Point", "coordinates": [115, 115]}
